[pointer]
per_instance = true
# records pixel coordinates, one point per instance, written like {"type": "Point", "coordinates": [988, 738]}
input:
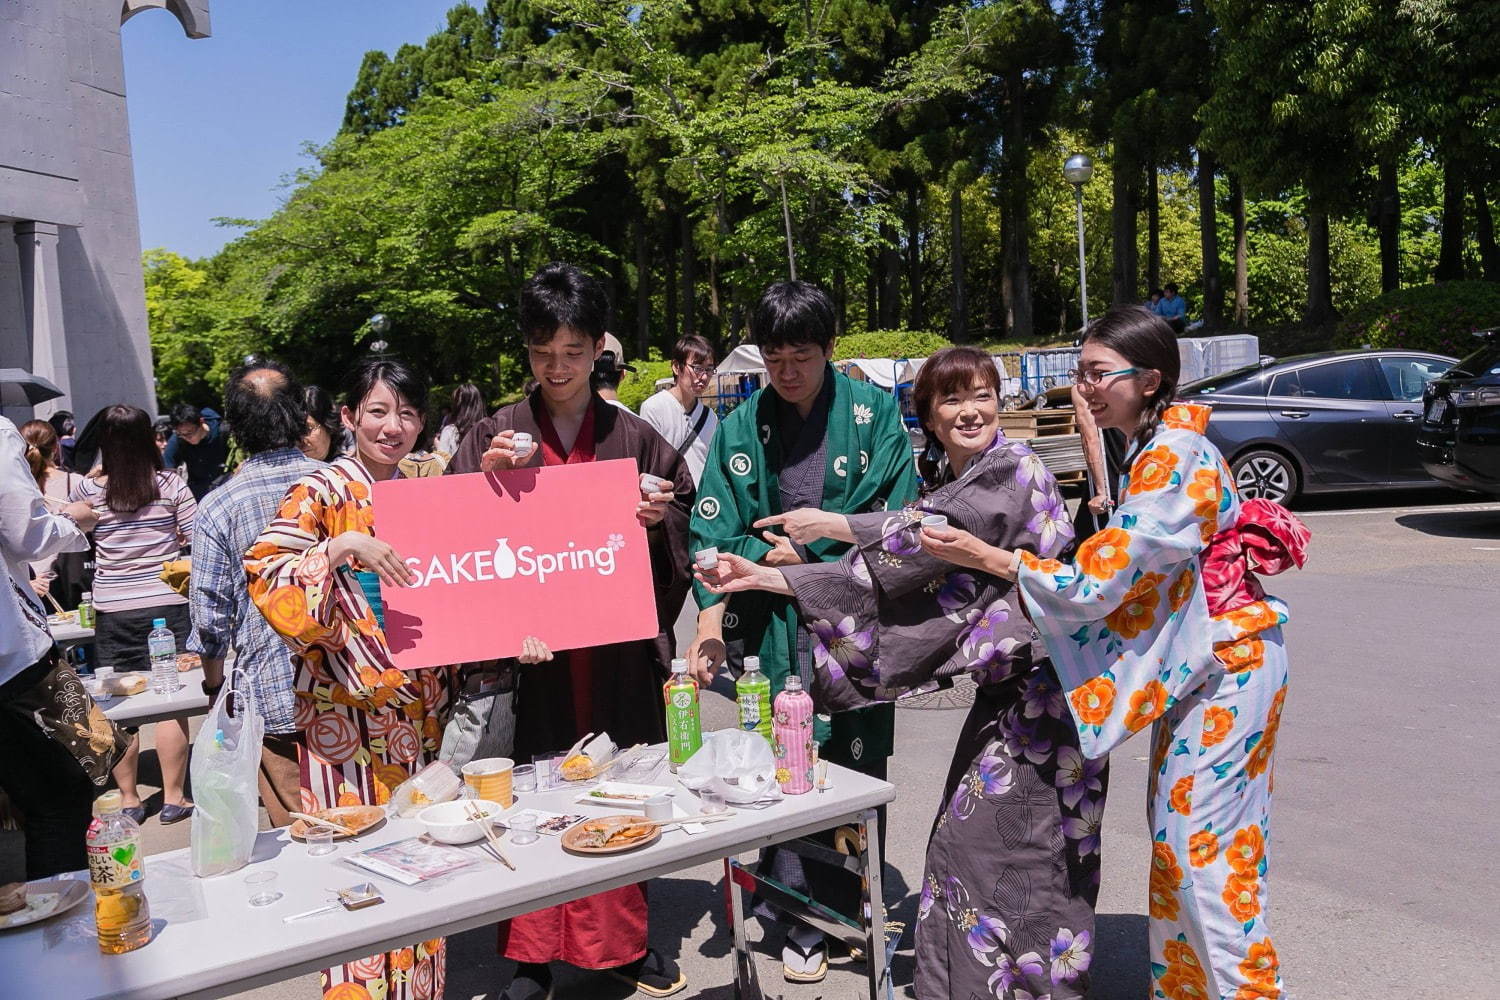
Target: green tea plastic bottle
{"type": "Point", "coordinates": [117, 872]}
{"type": "Point", "coordinates": [684, 725]}
{"type": "Point", "coordinates": [753, 693]}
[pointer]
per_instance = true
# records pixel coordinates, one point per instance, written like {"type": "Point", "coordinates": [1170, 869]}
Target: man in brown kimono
{"type": "Point", "coordinates": [616, 688]}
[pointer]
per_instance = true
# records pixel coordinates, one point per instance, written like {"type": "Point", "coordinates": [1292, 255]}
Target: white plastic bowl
{"type": "Point", "coordinates": [448, 822]}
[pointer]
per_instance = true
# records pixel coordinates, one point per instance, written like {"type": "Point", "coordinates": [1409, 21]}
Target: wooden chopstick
{"type": "Point", "coordinates": [312, 820]}
{"type": "Point", "coordinates": [478, 815]}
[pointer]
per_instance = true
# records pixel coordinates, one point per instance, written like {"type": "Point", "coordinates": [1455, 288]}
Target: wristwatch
{"type": "Point", "coordinates": [212, 690]}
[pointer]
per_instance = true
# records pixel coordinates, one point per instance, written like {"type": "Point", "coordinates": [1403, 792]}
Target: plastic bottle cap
{"type": "Point", "coordinates": [87, 594]}
{"type": "Point", "coordinates": [158, 623]}
{"type": "Point", "coordinates": [679, 666]}
{"type": "Point", "coordinates": [752, 663]}
{"type": "Point", "coordinates": [109, 802]}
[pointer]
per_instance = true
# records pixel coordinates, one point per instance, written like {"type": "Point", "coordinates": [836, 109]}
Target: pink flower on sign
{"type": "Point", "coordinates": [616, 542]}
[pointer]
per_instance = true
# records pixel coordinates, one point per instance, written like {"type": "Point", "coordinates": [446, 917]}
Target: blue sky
{"type": "Point", "coordinates": [216, 123]}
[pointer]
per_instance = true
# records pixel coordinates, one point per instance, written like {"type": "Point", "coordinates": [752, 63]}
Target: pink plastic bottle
{"type": "Point", "coordinates": [792, 738]}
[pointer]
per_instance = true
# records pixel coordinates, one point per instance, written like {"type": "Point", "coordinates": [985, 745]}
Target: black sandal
{"type": "Point", "coordinates": [652, 974]}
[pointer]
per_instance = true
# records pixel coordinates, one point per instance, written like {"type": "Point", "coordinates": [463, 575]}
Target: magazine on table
{"type": "Point", "coordinates": [413, 860]}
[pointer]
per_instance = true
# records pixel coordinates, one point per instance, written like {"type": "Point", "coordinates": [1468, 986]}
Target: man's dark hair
{"type": "Point", "coordinates": [263, 404]}
{"type": "Point", "coordinates": [607, 372]}
{"type": "Point", "coordinates": [62, 422]}
{"type": "Point", "coordinates": [790, 314]}
{"type": "Point", "coordinates": [185, 413]}
{"type": "Point", "coordinates": [1171, 288]}
{"type": "Point", "coordinates": [396, 374]}
{"type": "Point", "coordinates": [690, 348]}
{"type": "Point", "coordinates": [562, 295]}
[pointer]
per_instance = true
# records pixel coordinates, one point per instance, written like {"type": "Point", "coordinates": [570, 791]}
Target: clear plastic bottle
{"type": "Point", "coordinates": [86, 610]}
{"type": "Point", "coordinates": [161, 644]}
{"type": "Point", "coordinates": [117, 872]}
{"type": "Point", "coordinates": [684, 724]}
{"type": "Point", "coordinates": [753, 693]}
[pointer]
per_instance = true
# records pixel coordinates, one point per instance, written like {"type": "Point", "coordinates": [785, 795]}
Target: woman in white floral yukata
{"type": "Point", "coordinates": [1012, 869]}
{"type": "Point", "coordinates": [1160, 621]}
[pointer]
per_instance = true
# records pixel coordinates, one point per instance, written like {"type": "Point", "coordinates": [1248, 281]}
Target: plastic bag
{"type": "Point", "coordinates": [739, 765]}
{"type": "Point", "coordinates": [225, 765]}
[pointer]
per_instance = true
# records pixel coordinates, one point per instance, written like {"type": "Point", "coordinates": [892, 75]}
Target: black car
{"type": "Point", "coordinates": [1459, 441]}
{"type": "Point", "coordinates": [1318, 423]}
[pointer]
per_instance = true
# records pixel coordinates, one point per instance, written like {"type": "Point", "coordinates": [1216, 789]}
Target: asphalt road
{"type": "Point", "coordinates": [1386, 844]}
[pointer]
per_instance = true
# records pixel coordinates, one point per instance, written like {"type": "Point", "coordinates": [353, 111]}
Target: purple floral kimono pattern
{"type": "Point", "coordinates": [1012, 870]}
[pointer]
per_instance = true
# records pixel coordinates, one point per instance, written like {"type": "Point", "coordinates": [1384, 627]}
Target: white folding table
{"type": "Point", "coordinates": [212, 943]}
{"type": "Point", "coordinates": [148, 706]}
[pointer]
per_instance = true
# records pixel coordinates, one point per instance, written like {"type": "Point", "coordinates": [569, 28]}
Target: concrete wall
{"type": "Point", "coordinates": [65, 160]}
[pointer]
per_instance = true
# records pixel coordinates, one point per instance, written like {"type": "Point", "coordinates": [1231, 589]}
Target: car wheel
{"type": "Point", "coordinates": [1267, 474]}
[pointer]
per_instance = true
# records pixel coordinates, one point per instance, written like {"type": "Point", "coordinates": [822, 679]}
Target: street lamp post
{"type": "Point", "coordinates": [1077, 169]}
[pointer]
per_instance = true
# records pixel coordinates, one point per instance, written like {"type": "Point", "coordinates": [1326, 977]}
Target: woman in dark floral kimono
{"type": "Point", "coordinates": [1012, 872]}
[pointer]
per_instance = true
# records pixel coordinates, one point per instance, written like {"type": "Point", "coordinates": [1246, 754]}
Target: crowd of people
{"type": "Point", "coordinates": [842, 562]}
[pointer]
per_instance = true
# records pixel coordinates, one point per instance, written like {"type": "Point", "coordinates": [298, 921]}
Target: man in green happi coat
{"type": "Point", "coordinates": [816, 441]}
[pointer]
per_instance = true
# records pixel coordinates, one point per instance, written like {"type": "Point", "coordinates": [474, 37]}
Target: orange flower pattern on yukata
{"type": "Point", "coordinates": [1181, 798]}
{"type": "Point", "coordinates": [1261, 965]}
{"type": "Point", "coordinates": [1153, 470]}
{"type": "Point", "coordinates": [1218, 722]}
{"type": "Point", "coordinates": [1246, 851]}
{"type": "Point", "coordinates": [1251, 618]}
{"type": "Point", "coordinates": [1092, 702]}
{"type": "Point", "coordinates": [1166, 877]}
{"type": "Point", "coordinates": [1181, 590]}
{"type": "Point", "coordinates": [1241, 655]}
{"type": "Point", "coordinates": [1137, 613]}
{"type": "Point", "coordinates": [1105, 553]}
{"type": "Point", "coordinates": [1260, 755]}
{"type": "Point", "coordinates": [1184, 977]}
{"type": "Point", "coordinates": [1242, 896]}
{"type": "Point", "coordinates": [1146, 706]}
{"type": "Point", "coordinates": [1215, 687]}
{"type": "Point", "coordinates": [1037, 564]}
{"type": "Point", "coordinates": [1205, 493]}
{"type": "Point", "coordinates": [1203, 848]}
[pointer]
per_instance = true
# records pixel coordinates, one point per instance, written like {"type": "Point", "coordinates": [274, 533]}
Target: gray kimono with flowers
{"type": "Point", "coordinates": [1012, 868]}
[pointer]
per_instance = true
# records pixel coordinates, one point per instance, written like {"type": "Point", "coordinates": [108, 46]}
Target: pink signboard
{"type": "Point", "coordinates": [553, 552]}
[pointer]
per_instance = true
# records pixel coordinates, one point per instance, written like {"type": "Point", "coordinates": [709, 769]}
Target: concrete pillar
{"type": "Point", "coordinates": [41, 301]}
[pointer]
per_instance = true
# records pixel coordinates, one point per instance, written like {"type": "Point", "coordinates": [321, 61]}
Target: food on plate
{"type": "Point", "coordinates": [188, 661]}
{"type": "Point", "coordinates": [124, 684]}
{"type": "Point", "coordinates": [12, 897]}
{"type": "Point", "coordinates": [606, 833]}
{"type": "Point", "coordinates": [603, 793]}
{"type": "Point", "coordinates": [578, 767]}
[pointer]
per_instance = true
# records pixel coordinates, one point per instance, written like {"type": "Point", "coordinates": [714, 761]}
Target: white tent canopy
{"type": "Point", "coordinates": [743, 360]}
{"type": "Point", "coordinates": [884, 372]}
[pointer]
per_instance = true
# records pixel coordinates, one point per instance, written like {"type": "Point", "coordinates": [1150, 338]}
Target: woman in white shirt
{"type": "Point", "coordinates": [36, 771]}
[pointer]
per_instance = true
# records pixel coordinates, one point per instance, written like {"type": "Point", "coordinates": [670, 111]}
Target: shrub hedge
{"type": "Point", "coordinates": [1439, 318]}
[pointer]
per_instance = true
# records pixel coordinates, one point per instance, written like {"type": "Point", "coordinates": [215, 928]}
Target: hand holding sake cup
{"type": "Point", "coordinates": [508, 450]}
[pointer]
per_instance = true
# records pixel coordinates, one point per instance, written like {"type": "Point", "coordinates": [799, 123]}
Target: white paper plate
{"type": "Point", "coordinates": [46, 898]}
{"type": "Point", "coordinates": [622, 793]}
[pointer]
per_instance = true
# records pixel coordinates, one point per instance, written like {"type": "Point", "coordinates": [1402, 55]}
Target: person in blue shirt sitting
{"type": "Point", "coordinates": [1172, 308]}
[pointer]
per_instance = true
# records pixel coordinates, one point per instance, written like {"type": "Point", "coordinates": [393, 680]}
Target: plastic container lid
{"type": "Point", "coordinates": [679, 666]}
{"type": "Point", "coordinates": [87, 594]}
{"type": "Point", "coordinates": [158, 623]}
{"type": "Point", "coordinates": [752, 663]}
{"type": "Point", "coordinates": [109, 802]}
